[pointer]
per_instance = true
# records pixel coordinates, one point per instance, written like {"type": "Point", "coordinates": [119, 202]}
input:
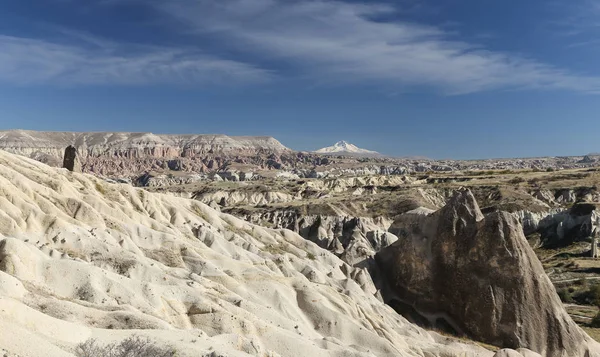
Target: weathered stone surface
{"type": "Point", "coordinates": [565, 227]}
{"type": "Point", "coordinates": [354, 239]}
{"type": "Point", "coordinates": [527, 353]}
{"type": "Point", "coordinates": [71, 161]}
{"type": "Point", "coordinates": [521, 352]}
{"type": "Point", "coordinates": [479, 276]}
{"type": "Point", "coordinates": [506, 352]}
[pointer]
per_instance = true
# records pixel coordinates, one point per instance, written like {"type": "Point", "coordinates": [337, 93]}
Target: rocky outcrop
{"type": "Point", "coordinates": [559, 227]}
{"type": "Point", "coordinates": [71, 161]}
{"type": "Point", "coordinates": [565, 227]}
{"type": "Point", "coordinates": [354, 239]}
{"type": "Point", "coordinates": [579, 194]}
{"type": "Point", "coordinates": [477, 275]}
{"type": "Point", "coordinates": [530, 221]}
{"type": "Point", "coordinates": [165, 180]}
{"type": "Point", "coordinates": [363, 170]}
{"type": "Point", "coordinates": [587, 160]}
{"type": "Point", "coordinates": [232, 198]}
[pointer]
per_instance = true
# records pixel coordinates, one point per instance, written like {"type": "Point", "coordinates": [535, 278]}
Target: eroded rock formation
{"type": "Point", "coordinates": [81, 258]}
{"type": "Point", "coordinates": [354, 239]}
{"type": "Point", "coordinates": [70, 161]}
{"type": "Point", "coordinates": [132, 154]}
{"type": "Point", "coordinates": [477, 275]}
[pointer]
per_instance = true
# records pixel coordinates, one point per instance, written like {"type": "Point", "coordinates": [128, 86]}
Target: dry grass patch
{"type": "Point", "coordinates": [129, 347]}
{"type": "Point", "coordinates": [593, 332]}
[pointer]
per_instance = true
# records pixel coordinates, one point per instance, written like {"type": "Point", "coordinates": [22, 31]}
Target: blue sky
{"type": "Point", "coordinates": [443, 79]}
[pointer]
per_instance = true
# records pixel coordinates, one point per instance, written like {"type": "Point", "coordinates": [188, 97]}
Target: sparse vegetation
{"type": "Point", "coordinates": [592, 332]}
{"type": "Point", "coordinates": [565, 296]}
{"type": "Point", "coordinates": [466, 340]}
{"type": "Point", "coordinates": [169, 257]}
{"type": "Point", "coordinates": [113, 225]}
{"type": "Point", "coordinates": [583, 282]}
{"type": "Point", "coordinates": [122, 267]}
{"type": "Point", "coordinates": [596, 321]}
{"type": "Point", "coordinates": [100, 188]}
{"type": "Point", "coordinates": [198, 211]}
{"type": "Point", "coordinates": [273, 249]}
{"type": "Point", "coordinates": [73, 253]}
{"type": "Point", "coordinates": [516, 180]}
{"type": "Point", "coordinates": [134, 346]}
{"type": "Point", "coordinates": [594, 293]}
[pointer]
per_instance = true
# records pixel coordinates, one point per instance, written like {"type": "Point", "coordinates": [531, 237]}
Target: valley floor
{"type": "Point", "coordinates": [576, 277]}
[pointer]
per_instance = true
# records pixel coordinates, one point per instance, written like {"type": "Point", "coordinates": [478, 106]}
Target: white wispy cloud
{"type": "Point", "coordinates": [322, 42]}
{"type": "Point", "coordinates": [339, 42]}
{"type": "Point", "coordinates": [579, 21]}
{"type": "Point", "coordinates": [33, 61]}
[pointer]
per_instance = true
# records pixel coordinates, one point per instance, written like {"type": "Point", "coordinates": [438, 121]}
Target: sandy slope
{"type": "Point", "coordinates": [81, 258]}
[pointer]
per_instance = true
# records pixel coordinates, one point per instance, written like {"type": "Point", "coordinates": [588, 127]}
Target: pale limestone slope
{"type": "Point", "coordinates": [82, 258]}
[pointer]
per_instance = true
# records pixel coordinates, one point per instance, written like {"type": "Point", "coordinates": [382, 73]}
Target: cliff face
{"type": "Point", "coordinates": [129, 154]}
{"type": "Point", "coordinates": [135, 145]}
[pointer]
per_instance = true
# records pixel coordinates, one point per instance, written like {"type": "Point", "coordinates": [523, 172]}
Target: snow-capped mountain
{"type": "Point", "coordinates": [343, 147]}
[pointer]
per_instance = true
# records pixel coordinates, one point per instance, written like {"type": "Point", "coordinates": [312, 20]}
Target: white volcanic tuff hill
{"type": "Point", "coordinates": [134, 145]}
{"type": "Point", "coordinates": [343, 147]}
{"type": "Point", "coordinates": [82, 258]}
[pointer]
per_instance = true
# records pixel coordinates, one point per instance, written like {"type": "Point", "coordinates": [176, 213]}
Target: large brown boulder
{"type": "Point", "coordinates": [478, 275]}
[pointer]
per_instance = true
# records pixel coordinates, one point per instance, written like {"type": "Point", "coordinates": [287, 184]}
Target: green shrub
{"type": "Point", "coordinates": [590, 296]}
{"type": "Point", "coordinates": [595, 294]}
{"type": "Point", "coordinates": [596, 321]}
{"type": "Point", "coordinates": [565, 296]}
{"type": "Point", "coordinates": [516, 180]}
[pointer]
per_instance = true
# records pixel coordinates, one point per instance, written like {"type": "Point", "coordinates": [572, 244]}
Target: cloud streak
{"type": "Point", "coordinates": [26, 61]}
{"type": "Point", "coordinates": [578, 21]}
{"type": "Point", "coordinates": [341, 42]}
{"type": "Point", "coordinates": [320, 42]}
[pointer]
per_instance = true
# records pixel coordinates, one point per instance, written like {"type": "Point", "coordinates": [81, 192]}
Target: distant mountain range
{"type": "Point", "coordinates": [118, 154]}
{"type": "Point", "coordinates": [345, 148]}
